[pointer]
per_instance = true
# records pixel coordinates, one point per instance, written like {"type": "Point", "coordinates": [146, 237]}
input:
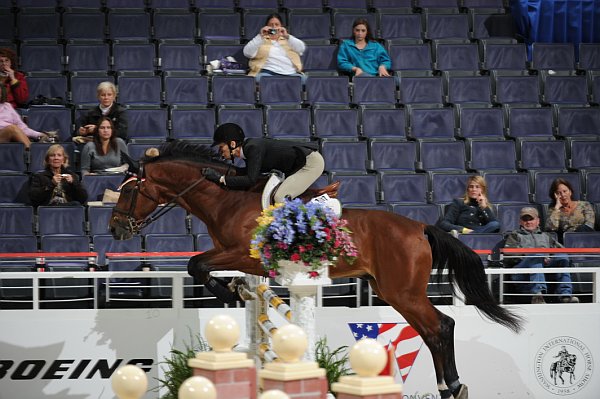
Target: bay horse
{"type": "Point", "coordinates": [395, 254]}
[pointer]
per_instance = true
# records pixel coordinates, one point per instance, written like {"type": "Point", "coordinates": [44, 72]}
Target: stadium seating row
{"type": "Point", "coordinates": [374, 190]}
{"type": "Point", "coordinates": [484, 91]}
{"type": "Point", "coordinates": [332, 23]}
{"type": "Point", "coordinates": [36, 57]}
{"type": "Point", "coordinates": [177, 227]}
{"type": "Point", "coordinates": [381, 155]}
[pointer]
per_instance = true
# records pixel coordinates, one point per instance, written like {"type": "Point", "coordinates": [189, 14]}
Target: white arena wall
{"type": "Point", "coordinates": [70, 354]}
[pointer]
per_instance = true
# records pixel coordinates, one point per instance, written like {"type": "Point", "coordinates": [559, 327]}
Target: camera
{"type": "Point", "coordinates": [272, 31]}
{"type": "Point", "coordinates": [64, 175]}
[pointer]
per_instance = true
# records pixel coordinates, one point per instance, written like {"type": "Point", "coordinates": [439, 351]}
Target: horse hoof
{"type": "Point", "coordinates": [236, 282]}
{"type": "Point", "coordinates": [246, 294]}
{"type": "Point", "coordinates": [462, 392]}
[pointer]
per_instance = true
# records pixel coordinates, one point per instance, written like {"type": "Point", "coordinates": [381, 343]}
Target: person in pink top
{"type": "Point", "coordinates": [12, 127]}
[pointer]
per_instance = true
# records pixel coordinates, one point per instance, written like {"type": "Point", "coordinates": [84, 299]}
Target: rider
{"type": "Point", "coordinates": [301, 163]}
{"type": "Point", "coordinates": [563, 353]}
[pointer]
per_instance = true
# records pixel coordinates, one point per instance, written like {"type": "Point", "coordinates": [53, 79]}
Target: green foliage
{"type": "Point", "coordinates": [334, 362]}
{"type": "Point", "coordinates": [175, 367]}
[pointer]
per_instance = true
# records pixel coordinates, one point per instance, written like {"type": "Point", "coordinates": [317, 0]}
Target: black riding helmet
{"type": "Point", "coordinates": [227, 133]}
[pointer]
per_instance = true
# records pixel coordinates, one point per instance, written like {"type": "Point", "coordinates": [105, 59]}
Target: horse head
{"type": "Point", "coordinates": [156, 181]}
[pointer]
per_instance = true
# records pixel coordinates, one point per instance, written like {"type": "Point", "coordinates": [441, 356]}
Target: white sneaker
{"type": "Point", "coordinates": [332, 204]}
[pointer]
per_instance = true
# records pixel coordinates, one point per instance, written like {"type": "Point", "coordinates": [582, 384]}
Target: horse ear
{"type": "Point", "coordinates": [134, 166]}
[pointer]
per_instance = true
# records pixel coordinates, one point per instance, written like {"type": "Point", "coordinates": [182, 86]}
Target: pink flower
{"type": "Point", "coordinates": [313, 274]}
{"type": "Point", "coordinates": [295, 257]}
{"type": "Point", "coordinates": [301, 249]}
{"type": "Point", "coordinates": [272, 273]}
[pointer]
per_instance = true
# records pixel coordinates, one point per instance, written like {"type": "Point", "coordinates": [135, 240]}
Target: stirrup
{"type": "Point", "coordinates": [333, 204]}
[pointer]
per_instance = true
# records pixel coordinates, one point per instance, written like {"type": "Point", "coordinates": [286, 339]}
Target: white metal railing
{"type": "Point", "coordinates": [102, 284]}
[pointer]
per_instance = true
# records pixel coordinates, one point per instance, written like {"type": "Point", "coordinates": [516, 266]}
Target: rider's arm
{"type": "Point", "coordinates": [254, 154]}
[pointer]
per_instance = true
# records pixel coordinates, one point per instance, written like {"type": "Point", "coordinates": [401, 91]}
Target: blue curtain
{"type": "Point", "coordinates": [558, 21]}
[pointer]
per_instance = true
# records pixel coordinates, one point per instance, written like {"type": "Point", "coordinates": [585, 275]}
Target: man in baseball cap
{"type": "Point", "coordinates": [529, 235]}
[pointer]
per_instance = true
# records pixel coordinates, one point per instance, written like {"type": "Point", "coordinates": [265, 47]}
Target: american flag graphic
{"type": "Point", "coordinates": [400, 339]}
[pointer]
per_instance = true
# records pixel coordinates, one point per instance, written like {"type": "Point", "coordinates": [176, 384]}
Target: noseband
{"type": "Point", "coordinates": [134, 225]}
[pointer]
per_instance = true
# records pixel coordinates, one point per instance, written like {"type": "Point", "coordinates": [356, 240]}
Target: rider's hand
{"type": "Point", "coordinates": [211, 175]}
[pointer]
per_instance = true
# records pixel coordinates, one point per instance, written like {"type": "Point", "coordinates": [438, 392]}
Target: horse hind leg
{"type": "Point", "coordinates": [423, 317]}
{"type": "Point", "coordinates": [459, 391]}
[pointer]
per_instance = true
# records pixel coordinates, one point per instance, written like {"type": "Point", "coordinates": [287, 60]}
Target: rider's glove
{"type": "Point", "coordinates": [212, 175]}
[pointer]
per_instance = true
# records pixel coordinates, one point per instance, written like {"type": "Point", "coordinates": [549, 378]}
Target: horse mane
{"type": "Point", "coordinates": [179, 150]}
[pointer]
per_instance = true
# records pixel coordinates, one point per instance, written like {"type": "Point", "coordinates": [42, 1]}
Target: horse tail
{"type": "Point", "coordinates": [466, 269]}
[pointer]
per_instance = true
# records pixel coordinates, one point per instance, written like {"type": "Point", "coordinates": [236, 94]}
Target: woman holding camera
{"type": "Point", "coordinates": [56, 184]}
{"type": "Point", "coordinates": [274, 51]}
{"type": "Point", "coordinates": [17, 91]}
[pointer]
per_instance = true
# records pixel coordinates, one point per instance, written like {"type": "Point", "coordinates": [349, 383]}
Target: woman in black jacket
{"type": "Point", "coordinates": [472, 213]}
{"type": "Point", "coordinates": [107, 107]}
{"type": "Point", "coordinates": [56, 184]}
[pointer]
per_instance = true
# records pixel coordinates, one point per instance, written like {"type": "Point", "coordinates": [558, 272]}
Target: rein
{"type": "Point", "coordinates": [136, 226]}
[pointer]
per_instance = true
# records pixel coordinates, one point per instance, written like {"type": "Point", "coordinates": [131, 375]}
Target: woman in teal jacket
{"type": "Point", "coordinates": [361, 55]}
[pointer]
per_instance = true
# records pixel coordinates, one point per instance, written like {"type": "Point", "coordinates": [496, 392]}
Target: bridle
{"type": "Point", "coordinates": [134, 225]}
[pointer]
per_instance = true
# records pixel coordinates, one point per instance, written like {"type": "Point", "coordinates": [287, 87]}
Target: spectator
{"type": "Point", "coordinates": [273, 51]}
{"type": "Point", "coordinates": [12, 127]}
{"type": "Point", "coordinates": [57, 184]}
{"type": "Point", "coordinates": [566, 214]}
{"type": "Point", "coordinates": [529, 235]}
{"type": "Point", "coordinates": [472, 213]}
{"type": "Point", "coordinates": [361, 55]}
{"type": "Point", "coordinates": [107, 94]}
{"type": "Point", "coordinates": [104, 152]}
{"type": "Point", "coordinates": [17, 91]}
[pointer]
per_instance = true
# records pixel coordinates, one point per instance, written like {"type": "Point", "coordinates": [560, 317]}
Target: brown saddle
{"type": "Point", "coordinates": [330, 189]}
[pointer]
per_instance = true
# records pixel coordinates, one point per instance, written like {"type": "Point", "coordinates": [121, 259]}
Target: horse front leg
{"type": "Point", "coordinates": [199, 267]}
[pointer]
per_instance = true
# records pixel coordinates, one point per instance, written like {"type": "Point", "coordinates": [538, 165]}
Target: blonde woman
{"type": "Point", "coordinates": [472, 213]}
{"type": "Point", "coordinates": [107, 107]}
{"type": "Point", "coordinates": [57, 184]}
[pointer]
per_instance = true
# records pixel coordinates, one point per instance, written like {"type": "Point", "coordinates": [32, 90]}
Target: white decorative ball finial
{"type": "Point", "coordinates": [129, 382]}
{"type": "Point", "coordinates": [290, 343]}
{"type": "Point", "coordinates": [222, 333]}
{"type": "Point", "coordinates": [197, 388]}
{"type": "Point", "coordinates": [367, 357]}
{"type": "Point", "coordinates": [274, 394]}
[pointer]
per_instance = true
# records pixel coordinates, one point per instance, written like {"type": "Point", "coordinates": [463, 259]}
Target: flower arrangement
{"type": "Point", "coordinates": [300, 232]}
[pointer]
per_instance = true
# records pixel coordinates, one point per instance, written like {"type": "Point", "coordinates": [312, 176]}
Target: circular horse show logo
{"type": "Point", "coordinates": [563, 365]}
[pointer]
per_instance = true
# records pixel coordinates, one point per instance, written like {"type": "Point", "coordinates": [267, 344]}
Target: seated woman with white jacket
{"type": "Point", "coordinates": [274, 51]}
